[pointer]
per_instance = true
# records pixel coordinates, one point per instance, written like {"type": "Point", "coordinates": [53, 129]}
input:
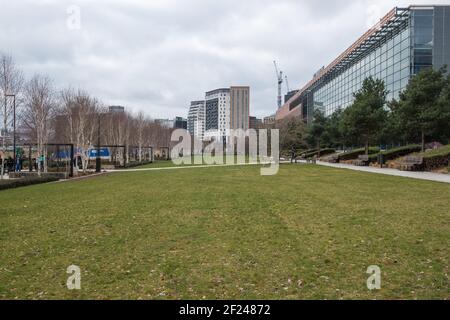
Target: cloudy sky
{"type": "Point", "coordinates": [158, 55]}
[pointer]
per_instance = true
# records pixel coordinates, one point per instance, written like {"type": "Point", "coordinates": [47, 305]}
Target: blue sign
{"type": "Point", "coordinates": [104, 153]}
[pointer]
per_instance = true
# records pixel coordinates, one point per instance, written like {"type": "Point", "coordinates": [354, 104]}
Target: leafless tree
{"type": "Point", "coordinates": [141, 122]}
{"type": "Point", "coordinates": [11, 82]}
{"type": "Point", "coordinates": [79, 112]}
{"type": "Point", "coordinates": [39, 104]}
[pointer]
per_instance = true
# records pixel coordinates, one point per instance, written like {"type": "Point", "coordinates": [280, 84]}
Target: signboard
{"type": "Point", "coordinates": [104, 153]}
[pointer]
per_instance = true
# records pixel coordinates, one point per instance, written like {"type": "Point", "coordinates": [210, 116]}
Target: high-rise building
{"type": "Point", "coordinates": [404, 42]}
{"type": "Point", "coordinates": [217, 103]}
{"type": "Point", "coordinates": [196, 119]}
{"type": "Point", "coordinates": [225, 109]}
{"type": "Point", "coordinates": [239, 107]}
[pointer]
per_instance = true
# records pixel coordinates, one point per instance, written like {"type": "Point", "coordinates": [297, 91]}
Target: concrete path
{"type": "Point", "coordinates": [430, 176]}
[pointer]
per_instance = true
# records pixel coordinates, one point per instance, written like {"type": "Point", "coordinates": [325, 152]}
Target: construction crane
{"type": "Point", "coordinates": [287, 84]}
{"type": "Point", "coordinates": [280, 82]}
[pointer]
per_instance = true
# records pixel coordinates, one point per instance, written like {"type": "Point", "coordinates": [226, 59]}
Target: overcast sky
{"type": "Point", "coordinates": [158, 55]}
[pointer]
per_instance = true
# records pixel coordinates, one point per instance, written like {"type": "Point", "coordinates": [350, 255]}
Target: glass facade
{"type": "Point", "coordinates": [422, 29]}
{"type": "Point", "coordinates": [389, 61]}
{"type": "Point", "coordinates": [403, 44]}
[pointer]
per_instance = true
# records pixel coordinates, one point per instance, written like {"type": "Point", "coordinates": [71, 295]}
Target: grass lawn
{"type": "Point", "coordinates": [227, 232]}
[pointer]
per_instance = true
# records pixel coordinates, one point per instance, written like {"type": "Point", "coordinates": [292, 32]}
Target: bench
{"type": "Point", "coordinates": [411, 163]}
{"type": "Point", "coordinates": [362, 161]}
{"type": "Point", "coordinates": [333, 159]}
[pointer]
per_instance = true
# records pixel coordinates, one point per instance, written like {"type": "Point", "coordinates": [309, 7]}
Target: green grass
{"type": "Point", "coordinates": [227, 232]}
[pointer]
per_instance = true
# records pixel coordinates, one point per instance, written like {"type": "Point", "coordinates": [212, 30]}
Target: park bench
{"type": "Point", "coordinates": [333, 159]}
{"type": "Point", "coordinates": [362, 161]}
{"type": "Point", "coordinates": [411, 163]}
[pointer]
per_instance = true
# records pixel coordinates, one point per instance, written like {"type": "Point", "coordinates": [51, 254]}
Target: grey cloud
{"type": "Point", "coordinates": [157, 55]}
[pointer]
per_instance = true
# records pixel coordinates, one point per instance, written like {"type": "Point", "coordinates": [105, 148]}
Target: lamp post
{"type": "Point", "coordinates": [98, 159]}
{"type": "Point", "coordinates": [14, 127]}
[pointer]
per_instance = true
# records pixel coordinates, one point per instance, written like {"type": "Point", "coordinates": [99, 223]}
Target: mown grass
{"type": "Point", "coordinates": [308, 232]}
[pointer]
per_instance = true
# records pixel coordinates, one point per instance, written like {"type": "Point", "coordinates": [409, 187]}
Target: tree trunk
{"type": "Point", "coordinates": [423, 141]}
{"type": "Point", "coordinates": [318, 148]}
{"type": "Point", "coordinates": [367, 147]}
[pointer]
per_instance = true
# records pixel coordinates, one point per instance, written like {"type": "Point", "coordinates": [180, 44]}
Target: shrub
{"type": "Point", "coordinates": [351, 155]}
{"type": "Point", "coordinates": [305, 152]}
{"type": "Point", "coordinates": [323, 152]}
{"type": "Point", "coordinates": [435, 159]}
{"type": "Point", "coordinates": [396, 153]}
{"type": "Point", "coordinates": [17, 183]}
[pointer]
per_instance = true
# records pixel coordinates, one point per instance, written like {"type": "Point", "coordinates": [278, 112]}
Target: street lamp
{"type": "Point", "coordinates": [14, 126]}
{"type": "Point", "coordinates": [98, 159]}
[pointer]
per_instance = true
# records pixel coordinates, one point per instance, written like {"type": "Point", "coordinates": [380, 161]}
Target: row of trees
{"type": "Point", "coordinates": [421, 114]}
{"type": "Point", "coordinates": [47, 115]}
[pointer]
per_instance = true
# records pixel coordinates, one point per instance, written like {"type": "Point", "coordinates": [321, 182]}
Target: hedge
{"type": "Point", "coordinates": [436, 158]}
{"type": "Point", "coordinates": [351, 155]}
{"type": "Point", "coordinates": [17, 183]}
{"type": "Point", "coordinates": [323, 152]}
{"type": "Point", "coordinates": [305, 152]}
{"type": "Point", "coordinates": [396, 153]}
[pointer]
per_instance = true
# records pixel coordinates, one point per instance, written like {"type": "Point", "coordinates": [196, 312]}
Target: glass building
{"type": "Point", "coordinates": [404, 42]}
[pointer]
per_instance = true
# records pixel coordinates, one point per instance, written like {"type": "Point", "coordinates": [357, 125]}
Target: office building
{"type": "Point", "coordinates": [239, 107]}
{"type": "Point", "coordinates": [269, 120]}
{"type": "Point", "coordinates": [255, 123]}
{"type": "Point", "coordinates": [180, 123]}
{"type": "Point", "coordinates": [196, 119]}
{"type": "Point", "coordinates": [404, 42]}
{"type": "Point", "coordinates": [217, 104]}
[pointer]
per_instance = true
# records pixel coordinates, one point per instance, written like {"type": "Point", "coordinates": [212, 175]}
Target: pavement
{"type": "Point", "coordinates": [430, 176]}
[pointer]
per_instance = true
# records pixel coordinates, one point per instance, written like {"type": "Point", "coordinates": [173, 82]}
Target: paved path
{"type": "Point", "coordinates": [438, 177]}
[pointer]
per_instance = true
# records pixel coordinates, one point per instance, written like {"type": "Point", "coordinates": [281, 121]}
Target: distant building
{"type": "Point", "coordinates": [289, 95]}
{"type": "Point", "coordinates": [196, 119]}
{"type": "Point", "coordinates": [225, 109]}
{"type": "Point", "coordinates": [217, 103]}
{"type": "Point", "coordinates": [166, 123]}
{"type": "Point", "coordinates": [116, 109]}
{"type": "Point", "coordinates": [255, 123]}
{"type": "Point", "coordinates": [269, 120]}
{"type": "Point", "coordinates": [180, 123]}
{"type": "Point", "coordinates": [176, 123]}
{"type": "Point", "coordinates": [239, 107]}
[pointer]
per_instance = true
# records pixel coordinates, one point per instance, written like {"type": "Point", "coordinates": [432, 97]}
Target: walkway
{"type": "Point", "coordinates": [430, 176]}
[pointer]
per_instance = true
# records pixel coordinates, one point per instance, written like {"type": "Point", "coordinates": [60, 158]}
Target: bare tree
{"type": "Point", "coordinates": [140, 131]}
{"type": "Point", "coordinates": [39, 104]}
{"type": "Point", "coordinates": [11, 82]}
{"type": "Point", "coordinates": [79, 112]}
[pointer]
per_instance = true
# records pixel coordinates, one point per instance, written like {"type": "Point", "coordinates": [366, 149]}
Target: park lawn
{"type": "Point", "coordinates": [309, 232]}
